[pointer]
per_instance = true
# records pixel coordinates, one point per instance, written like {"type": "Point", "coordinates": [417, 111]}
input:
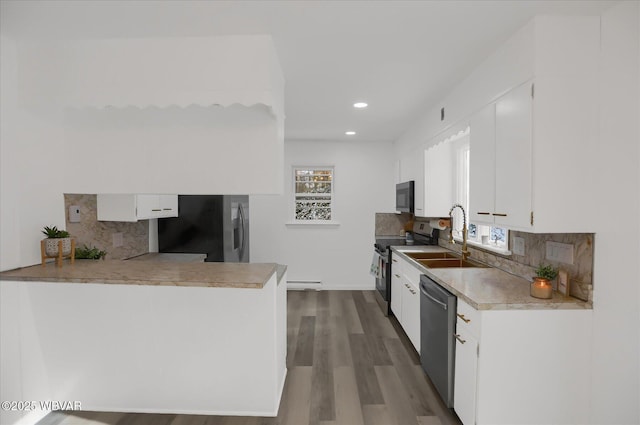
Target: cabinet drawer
{"type": "Point", "coordinates": [468, 318]}
{"type": "Point", "coordinates": [412, 274]}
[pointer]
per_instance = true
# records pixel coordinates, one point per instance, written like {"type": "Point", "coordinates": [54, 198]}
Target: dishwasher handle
{"type": "Point", "coordinates": [429, 296]}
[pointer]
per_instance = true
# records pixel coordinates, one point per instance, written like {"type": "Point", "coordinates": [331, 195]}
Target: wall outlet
{"type": "Point", "coordinates": [74, 214]}
{"type": "Point", "coordinates": [518, 246]}
{"type": "Point", "coordinates": [560, 252]}
{"type": "Point", "coordinates": [118, 239]}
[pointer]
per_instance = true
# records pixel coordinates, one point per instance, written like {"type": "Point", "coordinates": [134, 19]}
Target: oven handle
{"type": "Point", "coordinates": [440, 303]}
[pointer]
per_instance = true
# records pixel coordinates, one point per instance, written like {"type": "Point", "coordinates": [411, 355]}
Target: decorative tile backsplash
{"type": "Point", "coordinates": [100, 234]}
{"type": "Point", "coordinates": [391, 224]}
{"type": "Point", "coordinates": [580, 272]}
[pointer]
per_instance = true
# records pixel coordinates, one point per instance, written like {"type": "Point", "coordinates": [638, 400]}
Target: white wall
{"type": "Point", "coordinates": [192, 150]}
{"type": "Point", "coordinates": [32, 169]}
{"type": "Point", "coordinates": [31, 197]}
{"type": "Point", "coordinates": [340, 256]}
{"type": "Point", "coordinates": [616, 349]}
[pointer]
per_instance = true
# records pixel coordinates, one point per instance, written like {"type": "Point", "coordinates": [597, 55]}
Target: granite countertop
{"type": "Point", "coordinates": [161, 273]}
{"type": "Point", "coordinates": [488, 288]}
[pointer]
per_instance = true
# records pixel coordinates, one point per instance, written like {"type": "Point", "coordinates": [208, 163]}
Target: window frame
{"type": "Point", "coordinates": [295, 195]}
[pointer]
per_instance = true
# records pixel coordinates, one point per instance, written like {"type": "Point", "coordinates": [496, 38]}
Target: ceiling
{"type": "Point", "coordinates": [401, 57]}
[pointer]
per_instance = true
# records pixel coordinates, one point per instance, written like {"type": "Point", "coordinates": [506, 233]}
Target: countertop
{"type": "Point", "coordinates": [169, 257]}
{"type": "Point", "coordinates": [488, 288]}
{"type": "Point", "coordinates": [161, 273]}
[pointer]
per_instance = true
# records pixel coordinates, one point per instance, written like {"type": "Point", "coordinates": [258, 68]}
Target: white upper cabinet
{"type": "Point", "coordinates": [112, 207]}
{"type": "Point", "coordinates": [513, 158]}
{"type": "Point", "coordinates": [439, 168]}
{"type": "Point", "coordinates": [500, 163]}
{"type": "Point", "coordinates": [533, 141]}
{"type": "Point", "coordinates": [446, 166]}
{"type": "Point", "coordinates": [482, 165]}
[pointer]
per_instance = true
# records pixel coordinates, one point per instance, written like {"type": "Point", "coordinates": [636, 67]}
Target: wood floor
{"type": "Point", "coordinates": [348, 365]}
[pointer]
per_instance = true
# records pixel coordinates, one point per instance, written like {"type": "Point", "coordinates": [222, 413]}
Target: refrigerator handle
{"type": "Point", "coordinates": [242, 241]}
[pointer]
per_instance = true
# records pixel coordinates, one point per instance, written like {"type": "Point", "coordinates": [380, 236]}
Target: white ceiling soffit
{"type": "Point", "coordinates": [158, 72]}
{"type": "Point", "coordinates": [399, 56]}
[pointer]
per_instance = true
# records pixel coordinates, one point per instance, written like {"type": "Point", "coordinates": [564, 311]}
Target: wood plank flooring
{"type": "Point", "coordinates": [348, 365]}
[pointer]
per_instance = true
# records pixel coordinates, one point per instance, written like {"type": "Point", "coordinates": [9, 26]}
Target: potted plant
{"type": "Point", "coordinates": [88, 253]}
{"type": "Point", "coordinates": [52, 242]}
{"type": "Point", "coordinates": [541, 286]}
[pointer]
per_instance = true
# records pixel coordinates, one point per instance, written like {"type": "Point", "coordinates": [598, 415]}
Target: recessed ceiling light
{"type": "Point", "coordinates": [360, 105]}
{"type": "Point", "coordinates": [350, 133]}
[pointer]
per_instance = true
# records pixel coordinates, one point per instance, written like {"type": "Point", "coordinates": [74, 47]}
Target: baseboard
{"type": "Point", "coordinates": [303, 286]}
{"type": "Point", "coordinates": [328, 287]}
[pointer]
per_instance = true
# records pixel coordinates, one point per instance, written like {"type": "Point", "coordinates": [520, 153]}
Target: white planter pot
{"type": "Point", "coordinates": [51, 246]}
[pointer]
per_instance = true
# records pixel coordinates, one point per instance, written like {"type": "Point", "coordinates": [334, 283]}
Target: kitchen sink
{"type": "Point", "coordinates": [438, 263]}
{"type": "Point", "coordinates": [430, 255]}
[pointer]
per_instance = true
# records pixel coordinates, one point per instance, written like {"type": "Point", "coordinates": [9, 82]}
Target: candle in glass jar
{"type": "Point", "coordinates": [541, 288]}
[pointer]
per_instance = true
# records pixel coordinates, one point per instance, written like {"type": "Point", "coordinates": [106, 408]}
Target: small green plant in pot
{"type": "Point", "coordinates": [89, 253]}
{"type": "Point", "coordinates": [541, 286]}
{"type": "Point", "coordinates": [52, 242]}
{"type": "Point", "coordinates": [546, 272]}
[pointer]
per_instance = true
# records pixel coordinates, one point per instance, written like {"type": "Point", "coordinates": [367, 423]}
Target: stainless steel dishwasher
{"type": "Point", "coordinates": [437, 329]}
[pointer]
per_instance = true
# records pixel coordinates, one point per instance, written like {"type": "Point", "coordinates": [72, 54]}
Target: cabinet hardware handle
{"type": "Point", "coordinates": [412, 291]}
{"type": "Point", "coordinates": [168, 209]}
{"type": "Point", "coordinates": [464, 319]}
{"type": "Point", "coordinates": [462, 341]}
{"type": "Point", "coordinates": [156, 209]}
{"type": "Point", "coordinates": [483, 213]}
{"type": "Point", "coordinates": [499, 215]}
{"type": "Point", "coordinates": [397, 275]}
{"type": "Point", "coordinates": [395, 261]}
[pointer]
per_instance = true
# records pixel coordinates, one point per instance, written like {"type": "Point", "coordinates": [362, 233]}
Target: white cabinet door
{"type": "Point", "coordinates": [439, 169]}
{"type": "Point", "coordinates": [411, 313]}
{"type": "Point", "coordinates": [482, 165]}
{"type": "Point", "coordinates": [405, 298]}
{"type": "Point", "coordinates": [466, 367]}
{"type": "Point", "coordinates": [148, 206]}
{"type": "Point", "coordinates": [169, 205]}
{"type": "Point", "coordinates": [410, 317]}
{"type": "Point", "coordinates": [513, 199]}
{"type": "Point", "coordinates": [396, 289]}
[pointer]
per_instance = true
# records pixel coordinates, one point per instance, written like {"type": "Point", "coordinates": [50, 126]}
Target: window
{"type": "Point", "coordinates": [313, 193]}
{"type": "Point", "coordinates": [487, 236]}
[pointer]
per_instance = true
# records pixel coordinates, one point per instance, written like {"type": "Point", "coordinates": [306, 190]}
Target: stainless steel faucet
{"type": "Point", "coordinates": [465, 252]}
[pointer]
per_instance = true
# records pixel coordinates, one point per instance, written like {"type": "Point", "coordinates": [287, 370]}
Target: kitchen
{"type": "Point", "coordinates": [37, 201]}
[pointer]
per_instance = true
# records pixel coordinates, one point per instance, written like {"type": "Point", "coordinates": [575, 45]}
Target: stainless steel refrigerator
{"type": "Point", "coordinates": [216, 225]}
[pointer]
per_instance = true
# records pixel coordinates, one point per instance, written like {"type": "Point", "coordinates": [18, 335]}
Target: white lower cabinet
{"type": "Point", "coordinates": [466, 364]}
{"type": "Point", "coordinates": [396, 288]}
{"type": "Point", "coordinates": [519, 366]}
{"type": "Point", "coordinates": [405, 298]}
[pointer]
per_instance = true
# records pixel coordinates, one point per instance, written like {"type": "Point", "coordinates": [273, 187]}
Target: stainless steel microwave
{"type": "Point", "coordinates": [405, 197]}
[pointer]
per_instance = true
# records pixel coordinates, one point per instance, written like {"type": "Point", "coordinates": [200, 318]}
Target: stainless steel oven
{"type": "Point", "coordinates": [382, 247]}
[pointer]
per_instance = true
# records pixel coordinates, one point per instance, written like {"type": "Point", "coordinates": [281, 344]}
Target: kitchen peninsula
{"type": "Point", "coordinates": [155, 336]}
